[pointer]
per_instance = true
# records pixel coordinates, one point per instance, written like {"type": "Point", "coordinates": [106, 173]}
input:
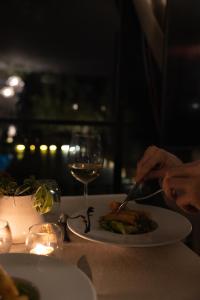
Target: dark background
{"type": "Point", "coordinates": [96, 54]}
{"type": "Point", "coordinates": [85, 52]}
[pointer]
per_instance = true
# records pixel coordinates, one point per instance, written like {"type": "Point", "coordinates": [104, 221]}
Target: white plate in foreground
{"type": "Point", "coordinates": [172, 227]}
{"type": "Point", "coordinates": [52, 278]}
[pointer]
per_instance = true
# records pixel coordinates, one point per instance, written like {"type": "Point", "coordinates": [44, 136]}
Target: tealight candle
{"type": "Point", "coordinates": [44, 239]}
{"type": "Point", "coordinates": [42, 249]}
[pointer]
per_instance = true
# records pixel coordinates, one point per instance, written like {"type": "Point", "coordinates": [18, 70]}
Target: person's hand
{"type": "Point", "coordinates": [155, 163]}
{"type": "Point", "coordinates": [181, 185]}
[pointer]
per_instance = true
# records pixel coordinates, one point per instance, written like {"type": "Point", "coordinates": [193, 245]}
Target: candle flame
{"type": "Point", "coordinates": [42, 250]}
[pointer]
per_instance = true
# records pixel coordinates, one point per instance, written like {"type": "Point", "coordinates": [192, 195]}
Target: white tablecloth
{"type": "Point", "coordinates": [167, 272]}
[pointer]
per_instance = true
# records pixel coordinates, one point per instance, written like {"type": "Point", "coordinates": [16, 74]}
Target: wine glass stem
{"type": "Point", "coordinates": [86, 194]}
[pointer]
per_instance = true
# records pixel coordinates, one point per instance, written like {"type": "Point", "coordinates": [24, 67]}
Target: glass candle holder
{"type": "Point", "coordinates": [5, 236]}
{"type": "Point", "coordinates": [44, 239]}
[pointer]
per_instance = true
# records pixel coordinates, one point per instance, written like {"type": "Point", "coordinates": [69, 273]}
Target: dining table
{"type": "Point", "coordinates": [168, 272]}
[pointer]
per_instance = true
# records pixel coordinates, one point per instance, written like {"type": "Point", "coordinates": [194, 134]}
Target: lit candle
{"type": "Point", "coordinates": [42, 250]}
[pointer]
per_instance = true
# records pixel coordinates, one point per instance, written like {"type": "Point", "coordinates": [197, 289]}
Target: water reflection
{"type": "Point", "coordinates": [5, 161]}
{"type": "Point", "coordinates": [51, 163]}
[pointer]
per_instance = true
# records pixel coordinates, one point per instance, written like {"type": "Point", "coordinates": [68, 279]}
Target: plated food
{"type": "Point", "coordinates": [127, 221]}
{"type": "Point", "coordinates": [8, 287]}
{"type": "Point", "coordinates": [35, 276]}
{"type": "Point", "coordinates": [168, 226]}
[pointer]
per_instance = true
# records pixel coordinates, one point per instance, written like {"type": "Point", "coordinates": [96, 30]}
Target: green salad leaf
{"type": "Point", "coordinates": [43, 199]}
{"type": "Point", "coordinates": [43, 191]}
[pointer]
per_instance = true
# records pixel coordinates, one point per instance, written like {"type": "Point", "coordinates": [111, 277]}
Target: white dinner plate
{"type": "Point", "coordinates": [52, 278]}
{"type": "Point", "coordinates": [172, 227]}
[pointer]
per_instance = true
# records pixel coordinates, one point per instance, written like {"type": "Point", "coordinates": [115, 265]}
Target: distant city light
{"type": "Point", "coordinates": [16, 82]}
{"type": "Point", "coordinates": [9, 140]}
{"type": "Point", "coordinates": [20, 148]}
{"type": "Point", "coordinates": [110, 164]}
{"type": "Point", "coordinates": [105, 162]}
{"type": "Point", "coordinates": [43, 148]}
{"type": "Point", "coordinates": [7, 92]}
{"type": "Point", "coordinates": [12, 130]}
{"type": "Point", "coordinates": [72, 149]}
{"type": "Point", "coordinates": [20, 155]}
{"type": "Point", "coordinates": [32, 147]}
{"type": "Point", "coordinates": [195, 105]}
{"type": "Point", "coordinates": [75, 106]}
{"type": "Point", "coordinates": [65, 148]}
{"type": "Point", "coordinates": [103, 108]}
{"type": "Point", "coordinates": [52, 148]}
{"type": "Point", "coordinates": [123, 173]}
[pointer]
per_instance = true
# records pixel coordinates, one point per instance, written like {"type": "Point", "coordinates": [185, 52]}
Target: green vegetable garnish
{"type": "Point", "coordinates": [41, 190]}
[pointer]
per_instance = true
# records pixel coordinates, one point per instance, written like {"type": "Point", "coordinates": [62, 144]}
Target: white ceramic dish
{"type": "Point", "coordinates": [172, 227]}
{"type": "Point", "coordinates": [52, 278]}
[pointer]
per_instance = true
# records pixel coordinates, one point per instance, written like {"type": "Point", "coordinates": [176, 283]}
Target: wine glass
{"type": "Point", "coordinates": [85, 159]}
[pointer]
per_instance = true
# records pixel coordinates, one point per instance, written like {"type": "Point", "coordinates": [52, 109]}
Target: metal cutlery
{"type": "Point", "coordinates": [130, 197]}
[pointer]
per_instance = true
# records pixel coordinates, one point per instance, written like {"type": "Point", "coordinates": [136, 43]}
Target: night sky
{"type": "Point", "coordinates": [59, 34]}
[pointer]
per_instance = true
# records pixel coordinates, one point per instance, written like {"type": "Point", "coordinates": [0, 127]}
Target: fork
{"type": "Point", "coordinates": [127, 199]}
